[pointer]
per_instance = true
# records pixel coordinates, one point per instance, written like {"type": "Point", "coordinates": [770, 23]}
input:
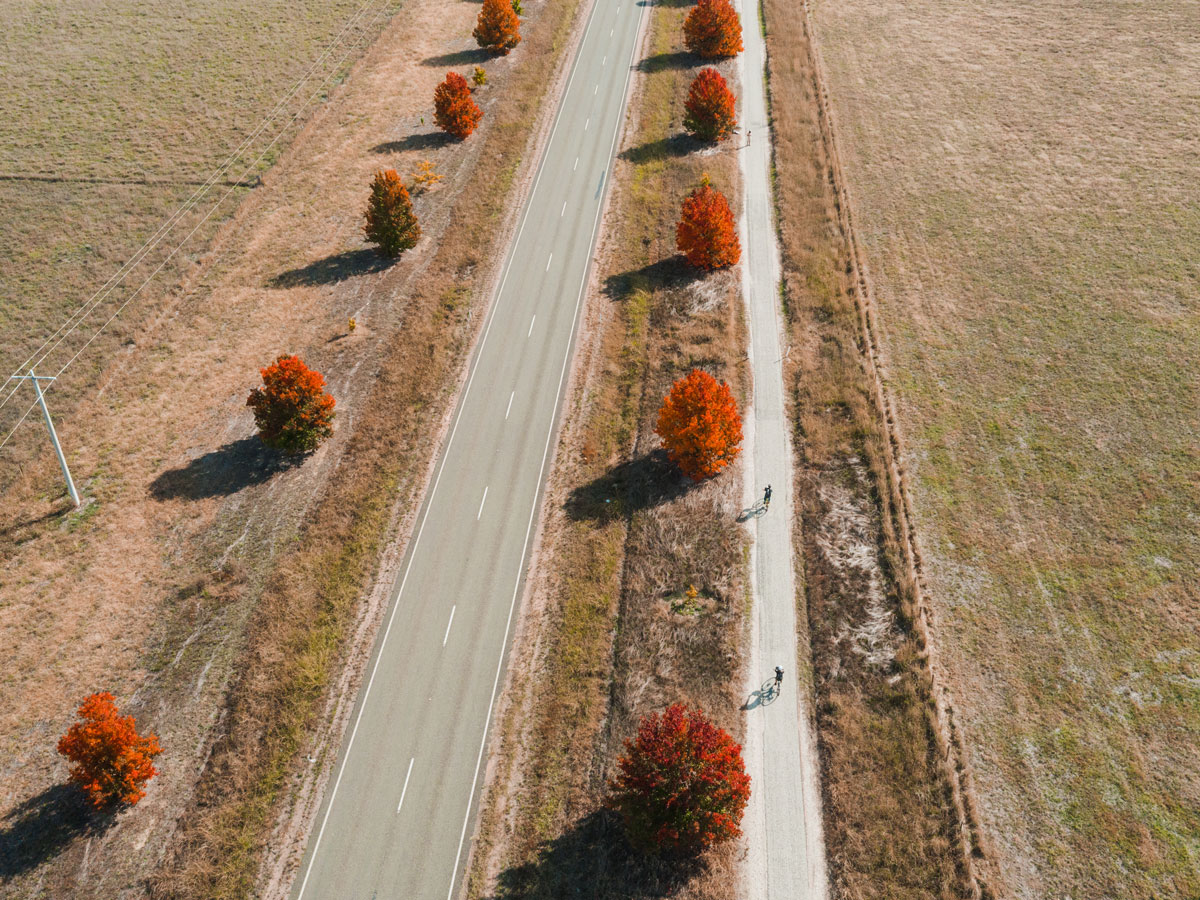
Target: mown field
{"type": "Point", "coordinates": [1023, 178]}
{"type": "Point", "coordinates": [115, 114]}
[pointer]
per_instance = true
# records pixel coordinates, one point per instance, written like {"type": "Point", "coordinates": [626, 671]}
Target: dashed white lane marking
{"type": "Point", "coordinates": [595, 90]}
{"type": "Point", "coordinates": [481, 502]}
{"type": "Point", "coordinates": [530, 331]}
{"type": "Point", "coordinates": [587, 123]}
{"type": "Point", "coordinates": [610, 31]}
{"type": "Point", "coordinates": [446, 637]}
{"type": "Point", "coordinates": [548, 262]}
{"type": "Point", "coordinates": [510, 400]}
{"type": "Point", "coordinates": [605, 61]}
{"type": "Point", "coordinates": [564, 210]}
{"type": "Point", "coordinates": [405, 790]}
{"type": "Point", "coordinates": [576, 166]}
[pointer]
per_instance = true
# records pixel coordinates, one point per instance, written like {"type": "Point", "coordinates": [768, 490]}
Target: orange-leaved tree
{"type": "Point", "coordinates": [291, 409]}
{"type": "Point", "coordinates": [391, 223]}
{"type": "Point", "coordinates": [498, 29]}
{"type": "Point", "coordinates": [709, 111]}
{"type": "Point", "coordinates": [109, 759]}
{"type": "Point", "coordinates": [699, 425]}
{"type": "Point", "coordinates": [712, 29]}
{"type": "Point", "coordinates": [705, 233]}
{"type": "Point", "coordinates": [681, 786]}
{"type": "Point", "coordinates": [453, 109]}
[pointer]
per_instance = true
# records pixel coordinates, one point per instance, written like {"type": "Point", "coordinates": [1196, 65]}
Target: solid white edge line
{"type": "Point", "coordinates": [481, 502]}
{"type": "Point", "coordinates": [446, 637]}
{"type": "Point", "coordinates": [405, 790]}
{"type": "Point", "coordinates": [541, 472]}
{"type": "Point", "coordinates": [441, 468]}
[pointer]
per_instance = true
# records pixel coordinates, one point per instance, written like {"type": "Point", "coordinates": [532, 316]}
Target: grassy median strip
{"type": "Point", "coordinates": [298, 635]}
{"type": "Point", "coordinates": [890, 824]}
{"type": "Point", "coordinates": [608, 640]}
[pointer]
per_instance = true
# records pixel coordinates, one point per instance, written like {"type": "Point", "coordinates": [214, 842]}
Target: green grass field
{"type": "Point", "coordinates": [1024, 179]}
{"type": "Point", "coordinates": [115, 113]}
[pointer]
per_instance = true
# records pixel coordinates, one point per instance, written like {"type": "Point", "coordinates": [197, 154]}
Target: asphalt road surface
{"type": "Point", "coordinates": [786, 857]}
{"type": "Point", "coordinates": [400, 805]}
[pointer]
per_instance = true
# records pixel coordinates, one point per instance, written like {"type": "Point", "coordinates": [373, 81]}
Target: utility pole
{"type": "Point", "coordinates": [62, 460]}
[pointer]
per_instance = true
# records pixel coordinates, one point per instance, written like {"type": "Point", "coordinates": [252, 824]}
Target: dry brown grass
{"type": "Point", "coordinates": [1019, 174]}
{"type": "Point", "coordinates": [624, 536]}
{"type": "Point", "coordinates": [891, 821]}
{"type": "Point", "coordinates": [115, 114]}
{"type": "Point", "coordinates": [117, 595]}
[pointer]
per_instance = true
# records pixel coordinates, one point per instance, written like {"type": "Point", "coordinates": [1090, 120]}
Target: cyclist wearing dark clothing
{"type": "Point", "coordinates": [767, 498]}
{"type": "Point", "coordinates": [778, 676]}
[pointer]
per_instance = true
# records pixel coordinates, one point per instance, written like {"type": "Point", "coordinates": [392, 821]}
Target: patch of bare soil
{"type": "Point", "coordinates": [602, 639]}
{"type": "Point", "coordinates": [166, 587]}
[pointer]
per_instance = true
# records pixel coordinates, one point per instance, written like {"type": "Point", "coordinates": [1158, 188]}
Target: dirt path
{"type": "Point", "coordinates": [783, 822]}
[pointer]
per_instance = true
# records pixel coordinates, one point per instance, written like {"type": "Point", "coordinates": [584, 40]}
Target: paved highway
{"type": "Point", "coordinates": [400, 806]}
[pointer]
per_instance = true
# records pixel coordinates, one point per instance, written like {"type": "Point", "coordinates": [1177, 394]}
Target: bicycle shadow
{"type": "Point", "coordinates": [764, 696]}
{"type": "Point", "coordinates": [752, 512]}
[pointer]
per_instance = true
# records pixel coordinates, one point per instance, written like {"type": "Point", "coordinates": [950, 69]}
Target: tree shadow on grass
{"type": "Point", "coordinates": [637, 484]}
{"type": "Point", "coordinates": [594, 860]}
{"type": "Point", "coordinates": [222, 472]}
{"type": "Point", "coordinates": [423, 140]}
{"type": "Point", "coordinates": [672, 147]}
{"type": "Point", "coordinates": [43, 826]}
{"type": "Point", "coordinates": [661, 62]}
{"type": "Point", "coordinates": [332, 269]}
{"type": "Point", "coordinates": [670, 273]}
{"type": "Point", "coordinates": [473, 57]}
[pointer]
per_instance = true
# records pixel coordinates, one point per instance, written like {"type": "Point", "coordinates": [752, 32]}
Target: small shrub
{"type": "Point", "coordinates": [517, 7]}
{"type": "Point", "coordinates": [706, 234]}
{"type": "Point", "coordinates": [682, 785]}
{"type": "Point", "coordinates": [111, 762]}
{"type": "Point", "coordinates": [425, 177]}
{"type": "Point", "coordinates": [712, 29]}
{"type": "Point", "coordinates": [391, 223]}
{"type": "Point", "coordinates": [480, 77]}
{"type": "Point", "coordinates": [498, 29]}
{"type": "Point", "coordinates": [699, 425]}
{"type": "Point", "coordinates": [710, 108]}
{"type": "Point", "coordinates": [455, 112]}
{"type": "Point", "coordinates": [291, 409]}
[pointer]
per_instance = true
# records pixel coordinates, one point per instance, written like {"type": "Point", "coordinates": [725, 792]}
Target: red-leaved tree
{"type": "Point", "coordinates": [498, 29]}
{"type": "Point", "coordinates": [712, 29]}
{"type": "Point", "coordinates": [291, 409]}
{"type": "Point", "coordinates": [109, 759]}
{"type": "Point", "coordinates": [705, 233]}
{"type": "Point", "coordinates": [453, 109]}
{"type": "Point", "coordinates": [709, 111]}
{"type": "Point", "coordinates": [699, 425]}
{"type": "Point", "coordinates": [682, 785]}
{"type": "Point", "coordinates": [391, 223]}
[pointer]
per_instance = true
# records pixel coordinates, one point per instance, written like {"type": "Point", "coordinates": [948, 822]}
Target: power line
{"type": "Point", "coordinates": [76, 318]}
{"type": "Point", "coordinates": [125, 269]}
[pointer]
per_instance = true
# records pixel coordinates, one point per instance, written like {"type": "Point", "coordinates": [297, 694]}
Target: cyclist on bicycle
{"type": "Point", "coordinates": [778, 676]}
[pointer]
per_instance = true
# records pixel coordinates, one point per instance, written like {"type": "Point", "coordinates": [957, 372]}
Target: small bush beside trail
{"type": "Point", "coordinates": [706, 234]}
{"type": "Point", "coordinates": [699, 425]}
{"type": "Point", "coordinates": [682, 785]}
{"type": "Point", "coordinates": [713, 30]}
{"type": "Point", "coordinates": [710, 108]}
